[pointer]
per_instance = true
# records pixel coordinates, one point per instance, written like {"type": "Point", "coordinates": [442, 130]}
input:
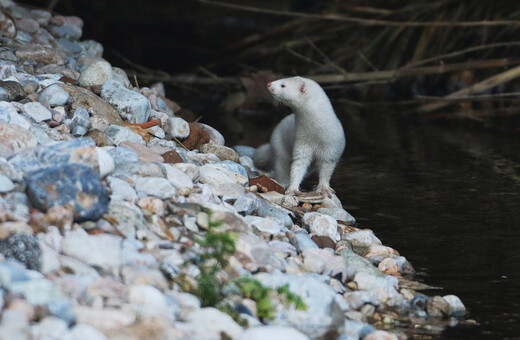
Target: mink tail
{"type": "Point", "coordinates": [263, 157]}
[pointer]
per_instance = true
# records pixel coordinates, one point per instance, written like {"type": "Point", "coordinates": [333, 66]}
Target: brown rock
{"type": "Point", "coordinates": [266, 184]}
{"type": "Point", "coordinates": [102, 113]}
{"type": "Point", "coordinates": [221, 151]}
{"type": "Point", "coordinates": [324, 241]}
{"type": "Point", "coordinates": [28, 25]}
{"type": "Point", "coordinates": [99, 137]}
{"type": "Point", "coordinates": [145, 153]}
{"type": "Point", "coordinates": [437, 306]}
{"type": "Point", "coordinates": [172, 157]}
{"type": "Point", "coordinates": [186, 114]}
{"type": "Point", "coordinates": [39, 54]}
{"type": "Point", "coordinates": [389, 267]}
{"type": "Point", "coordinates": [198, 136]}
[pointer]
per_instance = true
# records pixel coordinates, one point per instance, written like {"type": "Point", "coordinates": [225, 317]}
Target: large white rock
{"type": "Point", "coordinates": [265, 224]}
{"type": "Point", "coordinates": [216, 174]}
{"type": "Point", "coordinates": [176, 127]}
{"type": "Point", "coordinates": [155, 186]}
{"type": "Point", "coordinates": [209, 324]}
{"type": "Point", "coordinates": [382, 285]}
{"type": "Point", "coordinates": [148, 301]}
{"type": "Point", "coordinates": [37, 111]}
{"type": "Point", "coordinates": [322, 225]}
{"type": "Point", "coordinates": [103, 250]}
{"type": "Point", "coordinates": [177, 178]}
{"type": "Point", "coordinates": [96, 73]}
{"type": "Point", "coordinates": [322, 315]}
{"type": "Point", "coordinates": [362, 238]}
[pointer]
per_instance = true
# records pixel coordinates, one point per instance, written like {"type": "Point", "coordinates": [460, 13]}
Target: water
{"type": "Point", "coordinates": [447, 198]}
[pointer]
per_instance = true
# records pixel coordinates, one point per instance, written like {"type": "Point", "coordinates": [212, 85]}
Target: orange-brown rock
{"type": "Point", "coordinates": [198, 136]}
{"type": "Point", "coordinates": [324, 241]}
{"type": "Point", "coordinates": [172, 157]}
{"type": "Point", "coordinates": [265, 184]}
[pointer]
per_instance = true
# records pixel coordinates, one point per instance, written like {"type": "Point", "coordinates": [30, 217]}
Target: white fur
{"type": "Point", "coordinates": [312, 134]}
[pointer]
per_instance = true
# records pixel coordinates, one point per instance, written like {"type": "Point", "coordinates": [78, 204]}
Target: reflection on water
{"type": "Point", "coordinates": [448, 199]}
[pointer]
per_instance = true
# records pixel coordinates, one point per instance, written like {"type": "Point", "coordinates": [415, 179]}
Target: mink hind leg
{"type": "Point", "coordinates": [326, 168]}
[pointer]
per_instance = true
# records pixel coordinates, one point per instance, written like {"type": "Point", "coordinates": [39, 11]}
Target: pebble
{"type": "Point", "coordinates": [119, 134]}
{"type": "Point", "coordinates": [37, 111]}
{"type": "Point", "coordinates": [222, 152]}
{"type": "Point", "coordinates": [6, 184]}
{"type": "Point", "coordinates": [216, 174]}
{"type": "Point", "coordinates": [132, 106]}
{"type": "Point", "coordinates": [176, 127]}
{"type": "Point", "coordinates": [155, 186]}
{"type": "Point", "coordinates": [95, 74]}
{"type": "Point", "coordinates": [322, 225]}
{"type": "Point", "coordinates": [54, 95]}
{"type": "Point", "coordinates": [9, 115]}
{"type": "Point", "coordinates": [457, 307]}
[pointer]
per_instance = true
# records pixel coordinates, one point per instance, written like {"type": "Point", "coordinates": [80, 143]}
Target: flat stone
{"type": "Point", "coordinates": [39, 54]}
{"type": "Point", "coordinates": [357, 264]}
{"type": "Point", "coordinates": [159, 187]}
{"type": "Point", "coordinates": [362, 239]}
{"type": "Point", "coordinates": [172, 157]}
{"type": "Point", "coordinates": [122, 155]}
{"type": "Point", "coordinates": [104, 319]}
{"type": "Point", "coordinates": [145, 153]}
{"type": "Point", "coordinates": [6, 184]}
{"type": "Point", "coordinates": [119, 134]}
{"type": "Point", "coordinates": [385, 289]}
{"type": "Point", "coordinates": [339, 214]}
{"type": "Point", "coordinates": [37, 111]}
{"type": "Point", "coordinates": [265, 184]}
{"type": "Point", "coordinates": [177, 177]}
{"type": "Point", "coordinates": [215, 174]}
{"type": "Point", "coordinates": [9, 115]}
{"type": "Point", "coordinates": [266, 225]}
{"type": "Point", "coordinates": [222, 152]}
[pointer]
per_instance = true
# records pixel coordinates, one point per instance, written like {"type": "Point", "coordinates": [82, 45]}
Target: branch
{"type": "Point", "coordinates": [476, 88]}
{"type": "Point", "coordinates": [362, 21]}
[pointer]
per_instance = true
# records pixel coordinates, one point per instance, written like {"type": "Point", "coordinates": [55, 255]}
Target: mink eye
{"type": "Point", "coordinates": [283, 85]}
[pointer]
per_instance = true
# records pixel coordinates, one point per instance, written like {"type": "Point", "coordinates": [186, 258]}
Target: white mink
{"type": "Point", "coordinates": [311, 135]}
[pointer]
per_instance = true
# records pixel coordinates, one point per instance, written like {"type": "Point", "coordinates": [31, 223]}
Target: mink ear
{"type": "Point", "coordinates": [302, 88]}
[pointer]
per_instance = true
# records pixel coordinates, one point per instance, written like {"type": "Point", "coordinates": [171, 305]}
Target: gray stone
{"type": "Point", "coordinates": [95, 74]}
{"type": "Point", "coordinates": [177, 178]}
{"type": "Point", "coordinates": [303, 242]}
{"type": "Point", "coordinates": [339, 214]}
{"type": "Point", "coordinates": [176, 127]}
{"type": "Point", "coordinates": [244, 150]}
{"type": "Point", "coordinates": [7, 69]}
{"type": "Point", "coordinates": [122, 155]}
{"type": "Point", "coordinates": [37, 111]}
{"type": "Point", "coordinates": [80, 122]}
{"type": "Point", "coordinates": [101, 250]}
{"type": "Point", "coordinates": [234, 167]}
{"type": "Point", "coordinates": [38, 291]}
{"type": "Point", "coordinates": [322, 225]}
{"type": "Point", "coordinates": [362, 239]}
{"type": "Point", "coordinates": [215, 137]}
{"type": "Point", "coordinates": [322, 315]}
{"type": "Point", "coordinates": [119, 134]}
{"type": "Point", "coordinates": [155, 186]}
{"type": "Point", "coordinates": [382, 285]}
{"type": "Point", "coordinates": [266, 225]}
{"type": "Point", "coordinates": [132, 106]}
{"type": "Point", "coordinates": [54, 95]}
{"type": "Point", "coordinates": [6, 184]}
{"type": "Point", "coordinates": [247, 204]}
{"type": "Point", "coordinates": [282, 215]}
{"type": "Point", "coordinates": [8, 114]}
{"type": "Point", "coordinates": [210, 324]}
{"type": "Point", "coordinates": [13, 89]}
{"type": "Point", "coordinates": [24, 248]}
{"type": "Point", "coordinates": [121, 190]}
{"type": "Point", "coordinates": [356, 264]}
{"type": "Point", "coordinates": [216, 174]}
{"type": "Point", "coordinates": [456, 305]}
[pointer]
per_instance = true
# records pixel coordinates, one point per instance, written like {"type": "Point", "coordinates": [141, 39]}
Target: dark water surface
{"type": "Point", "coordinates": [447, 198]}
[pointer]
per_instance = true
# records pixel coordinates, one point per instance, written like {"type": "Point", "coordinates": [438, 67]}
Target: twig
{"type": "Point", "coordinates": [178, 141]}
{"type": "Point", "coordinates": [472, 98]}
{"type": "Point", "coordinates": [362, 21]}
{"type": "Point", "coordinates": [136, 83]}
{"type": "Point", "coordinates": [301, 56]}
{"type": "Point", "coordinates": [411, 72]}
{"type": "Point", "coordinates": [461, 52]}
{"type": "Point", "coordinates": [476, 88]}
{"type": "Point", "coordinates": [324, 56]}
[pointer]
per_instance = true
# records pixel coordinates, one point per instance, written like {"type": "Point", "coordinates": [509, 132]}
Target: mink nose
{"type": "Point", "coordinates": [268, 85]}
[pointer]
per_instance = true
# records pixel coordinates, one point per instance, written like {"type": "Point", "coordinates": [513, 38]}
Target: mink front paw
{"type": "Point", "coordinates": [293, 192]}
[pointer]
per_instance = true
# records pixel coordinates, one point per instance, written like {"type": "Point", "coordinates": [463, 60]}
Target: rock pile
{"type": "Point", "coordinates": [114, 212]}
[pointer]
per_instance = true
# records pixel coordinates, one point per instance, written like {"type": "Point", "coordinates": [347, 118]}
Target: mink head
{"type": "Point", "coordinates": [293, 92]}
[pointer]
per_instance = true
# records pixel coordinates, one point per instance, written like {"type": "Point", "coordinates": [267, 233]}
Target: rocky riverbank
{"type": "Point", "coordinates": [121, 220]}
